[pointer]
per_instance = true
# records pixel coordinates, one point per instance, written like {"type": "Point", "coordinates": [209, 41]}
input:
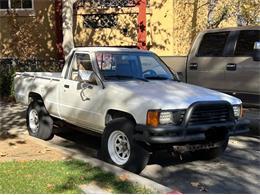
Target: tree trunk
{"type": "Point", "coordinates": [67, 26]}
{"type": "Point", "coordinates": [211, 7]}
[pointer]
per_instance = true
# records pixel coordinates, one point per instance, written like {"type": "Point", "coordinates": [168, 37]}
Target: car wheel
{"type": "Point", "coordinates": [119, 148]}
{"type": "Point", "coordinates": [209, 154]}
{"type": "Point", "coordinates": [39, 122]}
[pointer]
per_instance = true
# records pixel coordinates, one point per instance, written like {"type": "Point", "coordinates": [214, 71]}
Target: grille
{"type": "Point", "coordinates": [178, 116]}
{"type": "Point", "coordinates": [210, 114]}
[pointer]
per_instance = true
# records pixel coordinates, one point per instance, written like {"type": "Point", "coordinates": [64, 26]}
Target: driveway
{"type": "Point", "coordinates": [237, 171]}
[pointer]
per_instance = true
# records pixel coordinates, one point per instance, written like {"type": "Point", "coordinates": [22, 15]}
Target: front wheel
{"type": "Point", "coordinates": [119, 147]}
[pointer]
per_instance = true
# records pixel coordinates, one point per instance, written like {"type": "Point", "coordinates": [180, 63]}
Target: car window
{"type": "Point", "coordinates": [213, 44]}
{"type": "Point", "coordinates": [246, 41]}
{"type": "Point", "coordinates": [150, 63]}
{"type": "Point", "coordinates": [80, 65]}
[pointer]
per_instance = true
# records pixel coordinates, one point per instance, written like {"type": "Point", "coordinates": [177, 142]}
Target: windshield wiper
{"type": "Point", "coordinates": [127, 77]}
{"type": "Point", "coordinates": [158, 78]}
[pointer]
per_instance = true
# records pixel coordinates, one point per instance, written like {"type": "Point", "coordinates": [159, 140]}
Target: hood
{"type": "Point", "coordinates": [170, 94]}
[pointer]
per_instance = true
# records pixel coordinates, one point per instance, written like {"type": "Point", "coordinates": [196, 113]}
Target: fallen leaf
{"type": "Point", "coordinates": [2, 154]}
{"type": "Point", "coordinates": [11, 144]}
{"type": "Point", "coordinates": [123, 177]}
{"type": "Point", "coordinates": [50, 186]}
{"type": "Point", "coordinates": [21, 142]}
{"type": "Point", "coordinates": [200, 186]}
{"type": "Point", "coordinates": [195, 184]}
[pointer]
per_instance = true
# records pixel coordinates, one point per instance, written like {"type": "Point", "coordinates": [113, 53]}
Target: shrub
{"type": "Point", "coordinates": [7, 73]}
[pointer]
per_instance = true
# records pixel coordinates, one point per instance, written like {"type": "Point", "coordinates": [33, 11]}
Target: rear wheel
{"type": "Point", "coordinates": [119, 147]}
{"type": "Point", "coordinates": [39, 122]}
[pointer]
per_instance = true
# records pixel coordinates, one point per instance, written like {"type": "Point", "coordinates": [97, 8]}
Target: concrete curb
{"type": "Point", "coordinates": [154, 187]}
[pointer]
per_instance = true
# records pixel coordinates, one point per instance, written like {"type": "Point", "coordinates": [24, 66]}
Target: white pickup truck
{"type": "Point", "coordinates": [134, 101]}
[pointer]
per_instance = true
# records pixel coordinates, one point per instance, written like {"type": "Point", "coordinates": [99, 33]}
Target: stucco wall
{"type": "Point", "coordinates": [123, 34]}
{"type": "Point", "coordinates": [29, 34]}
{"type": "Point", "coordinates": [171, 27]}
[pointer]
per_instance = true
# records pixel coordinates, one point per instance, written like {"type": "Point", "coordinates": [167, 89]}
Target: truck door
{"type": "Point", "coordinates": [206, 63]}
{"type": "Point", "coordinates": [77, 97]}
{"type": "Point", "coordinates": [242, 73]}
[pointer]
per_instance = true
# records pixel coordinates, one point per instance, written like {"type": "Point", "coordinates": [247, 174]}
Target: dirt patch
{"type": "Point", "coordinates": [24, 149]}
{"type": "Point", "coordinates": [15, 142]}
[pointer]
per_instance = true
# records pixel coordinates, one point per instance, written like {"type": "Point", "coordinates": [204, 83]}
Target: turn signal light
{"type": "Point", "coordinates": [152, 118]}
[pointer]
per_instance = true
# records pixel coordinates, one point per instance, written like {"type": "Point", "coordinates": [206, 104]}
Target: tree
{"type": "Point", "coordinates": [67, 26]}
{"type": "Point", "coordinates": [214, 18]}
{"type": "Point", "coordinates": [245, 12]}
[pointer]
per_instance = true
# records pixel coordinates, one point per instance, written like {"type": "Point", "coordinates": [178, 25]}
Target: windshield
{"type": "Point", "coordinates": [132, 66]}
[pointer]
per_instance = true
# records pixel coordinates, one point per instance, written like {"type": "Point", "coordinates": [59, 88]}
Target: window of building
{"type": "Point", "coordinates": [100, 20]}
{"type": "Point", "coordinates": [16, 4]}
{"type": "Point", "coordinates": [213, 44]}
{"type": "Point", "coordinates": [3, 4]}
{"type": "Point", "coordinates": [246, 41]}
{"type": "Point", "coordinates": [107, 3]}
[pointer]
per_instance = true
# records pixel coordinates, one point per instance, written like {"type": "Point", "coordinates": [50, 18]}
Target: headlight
{"type": "Point", "coordinates": [237, 111]}
{"type": "Point", "coordinates": [166, 118]}
{"type": "Point", "coordinates": [156, 117]}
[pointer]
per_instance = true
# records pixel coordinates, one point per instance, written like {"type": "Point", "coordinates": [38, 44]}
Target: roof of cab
{"type": "Point", "coordinates": [232, 29]}
{"type": "Point", "coordinates": [111, 49]}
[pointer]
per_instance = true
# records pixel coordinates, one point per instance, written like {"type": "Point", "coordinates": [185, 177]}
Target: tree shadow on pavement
{"type": "Point", "coordinates": [236, 171]}
{"type": "Point", "coordinates": [12, 120]}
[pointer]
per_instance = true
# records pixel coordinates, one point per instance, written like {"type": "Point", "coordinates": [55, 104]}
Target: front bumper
{"type": "Point", "coordinates": [169, 134]}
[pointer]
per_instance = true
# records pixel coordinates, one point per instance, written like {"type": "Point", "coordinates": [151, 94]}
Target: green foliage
{"type": "Point", "coordinates": [60, 177]}
{"type": "Point", "coordinates": [6, 81]}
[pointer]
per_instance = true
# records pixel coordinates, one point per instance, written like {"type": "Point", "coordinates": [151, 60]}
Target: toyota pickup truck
{"type": "Point", "coordinates": [134, 101]}
{"type": "Point", "coordinates": [227, 60]}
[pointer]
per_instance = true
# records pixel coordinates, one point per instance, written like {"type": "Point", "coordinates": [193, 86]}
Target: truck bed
{"type": "Point", "coordinates": [44, 75]}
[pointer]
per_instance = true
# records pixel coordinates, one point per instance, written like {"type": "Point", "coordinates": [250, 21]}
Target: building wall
{"type": "Point", "coordinates": [29, 34]}
{"type": "Point", "coordinates": [123, 34]}
{"type": "Point", "coordinates": [171, 24]}
{"type": "Point", "coordinates": [171, 27]}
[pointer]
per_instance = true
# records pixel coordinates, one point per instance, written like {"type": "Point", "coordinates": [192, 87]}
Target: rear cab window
{"type": "Point", "coordinates": [246, 41]}
{"type": "Point", "coordinates": [213, 44]}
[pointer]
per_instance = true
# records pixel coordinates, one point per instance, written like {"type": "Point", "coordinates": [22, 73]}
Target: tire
{"type": "Point", "coordinates": [39, 122]}
{"type": "Point", "coordinates": [135, 158]}
{"type": "Point", "coordinates": [212, 153]}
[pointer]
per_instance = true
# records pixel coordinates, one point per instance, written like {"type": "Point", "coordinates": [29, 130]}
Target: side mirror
{"type": "Point", "coordinates": [88, 76]}
{"type": "Point", "coordinates": [256, 52]}
{"type": "Point", "coordinates": [180, 76]}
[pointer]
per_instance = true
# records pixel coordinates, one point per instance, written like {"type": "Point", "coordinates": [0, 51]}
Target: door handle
{"type": "Point", "coordinates": [193, 66]}
{"type": "Point", "coordinates": [66, 86]}
{"type": "Point", "coordinates": [231, 67]}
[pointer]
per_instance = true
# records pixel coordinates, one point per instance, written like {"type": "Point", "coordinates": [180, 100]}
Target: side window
{"type": "Point", "coordinates": [245, 42]}
{"type": "Point", "coordinates": [81, 67]}
{"type": "Point", "coordinates": [213, 44]}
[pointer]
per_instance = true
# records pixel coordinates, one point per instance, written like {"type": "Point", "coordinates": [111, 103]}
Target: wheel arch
{"type": "Point", "coordinates": [118, 114]}
{"type": "Point", "coordinates": [35, 97]}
